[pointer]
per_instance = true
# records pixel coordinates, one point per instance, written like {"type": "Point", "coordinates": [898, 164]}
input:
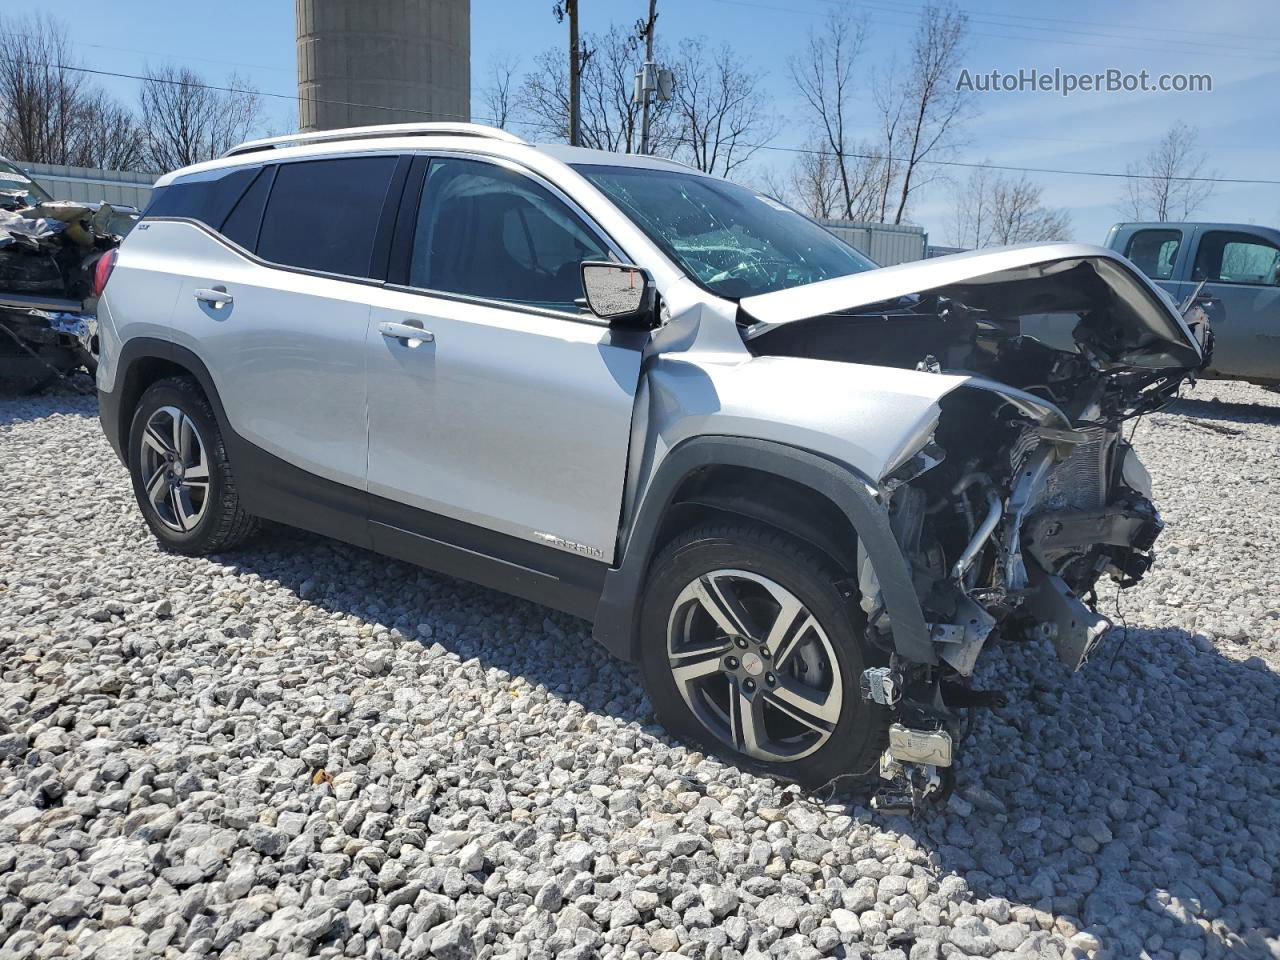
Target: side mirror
{"type": "Point", "coordinates": [620, 293]}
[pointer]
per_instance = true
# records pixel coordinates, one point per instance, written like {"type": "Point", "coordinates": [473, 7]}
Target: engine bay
{"type": "Point", "coordinates": [1026, 496]}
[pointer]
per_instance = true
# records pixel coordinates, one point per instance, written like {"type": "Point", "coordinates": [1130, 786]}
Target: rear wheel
{"type": "Point", "coordinates": [750, 649]}
{"type": "Point", "coordinates": [181, 476]}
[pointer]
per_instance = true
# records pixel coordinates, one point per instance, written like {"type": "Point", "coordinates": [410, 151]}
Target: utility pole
{"type": "Point", "coordinates": [575, 75]}
{"type": "Point", "coordinates": [646, 75]}
{"type": "Point", "coordinates": [569, 9]}
{"type": "Point", "coordinates": [652, 81]}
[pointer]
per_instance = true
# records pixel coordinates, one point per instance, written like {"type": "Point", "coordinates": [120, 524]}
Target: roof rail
{"type": "Point", "coordinates": [379, 130]}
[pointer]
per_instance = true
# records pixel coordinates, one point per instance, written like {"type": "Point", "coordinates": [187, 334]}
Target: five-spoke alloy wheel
{"type": "Point", "coordinates": [754, 665]}
{"type": "Point", "coordinates": [181, 475]}
{"type": "Point", "coordinates": [176, 468]}
{"type": "Point", "coordinates": [749, 648]}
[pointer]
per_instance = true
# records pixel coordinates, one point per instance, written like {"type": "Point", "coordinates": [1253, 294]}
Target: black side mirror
{"type": "Point", "coordinates": [621, 293]}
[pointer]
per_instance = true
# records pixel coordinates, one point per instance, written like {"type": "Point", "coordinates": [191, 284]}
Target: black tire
{"type": "Point", "coordinates": [850, 756]}
{"type": "Point", "coordinates": [224, 523]}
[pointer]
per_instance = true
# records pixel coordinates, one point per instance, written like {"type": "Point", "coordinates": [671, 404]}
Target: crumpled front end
{"type": "Point", "coordinates": [1026, 497]}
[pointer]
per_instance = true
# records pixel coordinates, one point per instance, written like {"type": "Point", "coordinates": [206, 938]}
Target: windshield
{"type": "Point", "coordinates": [13, 181]}
{"type": "Point", "coordinates": [731, 240]}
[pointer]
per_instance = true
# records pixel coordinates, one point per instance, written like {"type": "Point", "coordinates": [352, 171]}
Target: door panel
{"type": "Point", "coordinates": [512, 412]}
{"type": "Point", "coordinates": [1244, 308]}
{"type": "Point", "coordinates": [510, 420]}
{"type": "Point", "coordinates": [287, 356]}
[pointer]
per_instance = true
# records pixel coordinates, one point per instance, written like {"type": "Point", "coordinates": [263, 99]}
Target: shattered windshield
{"type": "Point", "coordinates": [731, 240]}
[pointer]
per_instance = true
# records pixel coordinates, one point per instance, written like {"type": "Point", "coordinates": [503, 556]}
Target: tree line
{"type": "Point", "coordinates": [52, 112]}
{"type": "Point", "coordinates": [720, 118]}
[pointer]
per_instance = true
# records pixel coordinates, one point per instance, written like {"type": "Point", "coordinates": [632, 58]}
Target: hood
{"type": "Point", "coordinates": [1090, 294]}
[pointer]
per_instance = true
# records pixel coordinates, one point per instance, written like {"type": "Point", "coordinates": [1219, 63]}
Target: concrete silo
{"type": "Point", "coordinates": [382, 61]}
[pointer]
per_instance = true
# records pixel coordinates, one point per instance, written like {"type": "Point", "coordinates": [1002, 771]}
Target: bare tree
{"type": "Point", "coordinates": [971, 212]}
{"type": "Point", "coordinates": [824, 76]}
{"type": "Point", "coordinates": [610, 119]}
{"type": "Point", "coordinates": [721, 108]}
{"type": "Point", "coordinates": [925, 111]}
{"type": "Point", "coordinates": [43, 102]}
{"type": "Point", "coordinates": [49, 111]}
{"type": "Point", "coordinates": [993, 209]}
{"type": "Point", "coordinates": [1162, 185]}
{"type": "Point", "coordinates": [186, 121]}
{"type": "Point", "coordinates": [112, 139]}
{"type": "Point", "coordinates": [890, 108]}
{"type": "Point", "coordinates": [819, 181]}
{"type": "Point", "coordinates": [816, 182]}
{"type": "Point", "coordinates": [1018, 215]}
{"type": "Point", "coordinates": [776, 182]}
{"type": "Point", "coordinates": [499, 97]}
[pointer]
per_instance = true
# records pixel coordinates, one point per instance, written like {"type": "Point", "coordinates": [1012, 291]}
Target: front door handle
{"type": "Point", "coordinates": [215, 296]}
{"type": "Point", "coordinates": [406, 333]}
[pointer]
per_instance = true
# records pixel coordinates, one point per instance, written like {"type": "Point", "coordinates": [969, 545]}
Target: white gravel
{"type": "Point", "coordinates": [302, 749]}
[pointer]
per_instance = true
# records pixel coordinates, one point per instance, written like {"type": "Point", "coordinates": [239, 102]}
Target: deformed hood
{"type": "Point", "coordinates": [1105, 303]}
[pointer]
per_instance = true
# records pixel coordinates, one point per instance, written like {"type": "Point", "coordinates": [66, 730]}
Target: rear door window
{"type": "Point", "coordinates": [1155, 252]}
{"type": "Point", "coordinates": [1229, 257]}
{"type": "Point", "coordinates": [323, 214]}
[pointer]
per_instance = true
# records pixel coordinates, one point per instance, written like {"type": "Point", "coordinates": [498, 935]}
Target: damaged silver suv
{"type": "Point", "coordinates": [803, 493]}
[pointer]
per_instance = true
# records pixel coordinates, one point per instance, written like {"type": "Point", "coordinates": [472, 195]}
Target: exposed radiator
{"type": "Point", "coordinates": [1080, 481]}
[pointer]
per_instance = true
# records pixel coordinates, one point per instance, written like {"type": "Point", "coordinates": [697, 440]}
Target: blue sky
{"type": "Point", "coordinates": [1237, 42]}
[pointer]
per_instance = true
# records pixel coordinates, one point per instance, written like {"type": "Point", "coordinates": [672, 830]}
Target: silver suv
{"type": "Point", "coordinates": [800, 491]}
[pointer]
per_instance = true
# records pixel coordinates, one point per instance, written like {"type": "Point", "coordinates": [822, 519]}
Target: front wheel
{"type": "Point", "coordinates": [750, 649]}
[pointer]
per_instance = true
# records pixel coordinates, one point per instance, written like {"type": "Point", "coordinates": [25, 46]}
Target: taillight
{"type": "Point", "coordinates": [102, 271]}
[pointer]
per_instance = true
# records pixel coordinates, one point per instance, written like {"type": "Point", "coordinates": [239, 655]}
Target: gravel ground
{"type": "Point", "coordinates": [302, 749]}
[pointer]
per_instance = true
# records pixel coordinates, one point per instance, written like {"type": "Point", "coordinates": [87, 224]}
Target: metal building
{"type": "Point", "coordinates": [885, 243]}
{"type": "Point", "coordinates": [116, 187]}
{"type": "Point", "coordinates": [383, 61]}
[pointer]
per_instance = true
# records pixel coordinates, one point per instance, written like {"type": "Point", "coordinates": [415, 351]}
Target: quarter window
{"type": "Point", "coordinates": [486, 231]}
{"type": "Point", "coordinates": [1154, 252]}
{"type": "Point", "coordinates": [207, 197]}
{"type": "Point", "coordinates": [1226, 257]}
{"type": "Point", "coordinates": [245, 218]}
{"type": "Point", "coordinates": [323, 214]}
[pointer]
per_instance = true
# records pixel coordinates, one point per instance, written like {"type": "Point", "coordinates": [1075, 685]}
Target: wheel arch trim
{"type": "Point", "coordinates": [116, 406]}
{"type": "Point", "coordinates": [616, 623]}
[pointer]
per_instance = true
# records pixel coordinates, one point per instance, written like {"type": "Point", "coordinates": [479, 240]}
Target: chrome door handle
{"type": "Point", "coordinates": [405, 332]}
{"type": "Point", "coordinates": [218, 298]}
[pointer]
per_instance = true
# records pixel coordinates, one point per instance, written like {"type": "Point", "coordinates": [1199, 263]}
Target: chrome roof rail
{"type": "Point", "coordinates": [379, 130]}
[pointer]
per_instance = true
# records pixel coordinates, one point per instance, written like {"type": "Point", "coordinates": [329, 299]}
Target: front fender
{"type": "Point", "coordinates": [868, 417]}
{"type": "Point", "coordinates": [617, 615]}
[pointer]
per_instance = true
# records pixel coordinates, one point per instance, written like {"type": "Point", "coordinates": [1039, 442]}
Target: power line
{"type": "Point", "coordinates": [972, 165]}
{"type": "Point", "coordinates": [1146, 29]}
{"type": "Point", "coordinates": [1013, 168]}
{"type": "Point", "coordinates": [1235, 53]}
{"type": "Point", "coordinates": [246, 91]}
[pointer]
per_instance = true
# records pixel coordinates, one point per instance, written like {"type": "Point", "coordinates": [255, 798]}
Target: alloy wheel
{"type": "Point", "coordinates": [754, 666]}
{"type": "Point", "coordinates": [175, 469]}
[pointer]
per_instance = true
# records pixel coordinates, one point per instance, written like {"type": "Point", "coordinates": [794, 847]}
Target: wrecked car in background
{"type": "Point", "coordinates": [54, 256]}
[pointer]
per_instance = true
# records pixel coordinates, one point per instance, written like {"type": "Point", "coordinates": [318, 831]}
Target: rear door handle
{"type": "Point", "coordinates": [405, 333]}
{"type": "Point", "coordinates": [214, 296]}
